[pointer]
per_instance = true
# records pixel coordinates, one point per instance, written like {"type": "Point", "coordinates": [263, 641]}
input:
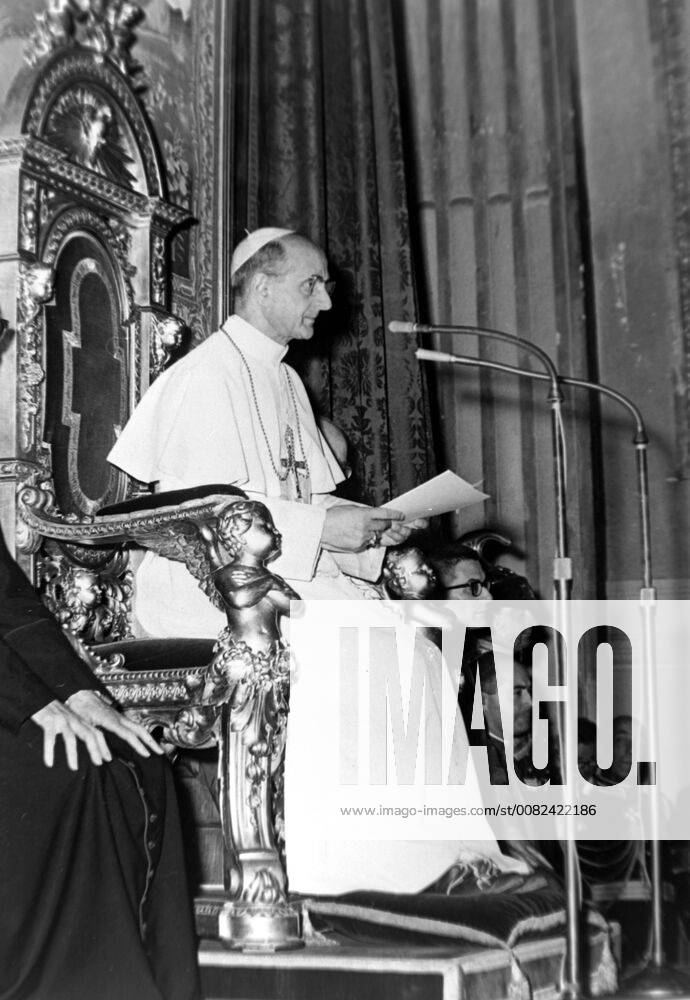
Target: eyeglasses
{"type": "Point", "coordinates": [309, 286]}
{"type": "Point", "coordinates": [474, 586]}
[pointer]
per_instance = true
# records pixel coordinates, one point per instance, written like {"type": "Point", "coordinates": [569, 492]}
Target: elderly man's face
{"type": "Point", "coordinates": [297, 295]}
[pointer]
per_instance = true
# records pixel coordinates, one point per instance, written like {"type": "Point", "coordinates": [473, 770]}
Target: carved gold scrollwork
{"type": "Point", "coordinates": [166, 339]}
{"type": "Point", "coordinates": [93, 605]}
{"type": "Point", "coordinates": [35, 289]}
{"type": "Point", "coordinates": [158, 270]}
{"type": "Point", "coordinates": [92, 601]}
{"type": "Point", "coordinates": [47, 205]}
{"type": "Point", "coordinates": [42, 495]}
{"type": "Point", "coordinates": [13, 148]}
{"type": "Point", "coordinates": [28, 214]}
{"type": "Point", "coordinates": [19, 469]}
{"type": "Point", "coordinates": [105, 28]}
{"type": "Point", "coordinates": [264, 888]}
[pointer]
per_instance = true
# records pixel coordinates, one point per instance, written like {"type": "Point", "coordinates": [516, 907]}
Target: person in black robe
{"type": "Point", "coordinates": [93, 896]}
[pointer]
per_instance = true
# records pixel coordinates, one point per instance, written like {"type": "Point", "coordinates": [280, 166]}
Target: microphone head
{"type": "Point", "coordinates": [423, 355]}
{"type": "Point", "coordinates": [397, 326]}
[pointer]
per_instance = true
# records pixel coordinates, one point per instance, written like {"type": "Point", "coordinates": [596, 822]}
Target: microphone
{"type": "Point", "coordinates": [640, 438]}
{"type": "Point", "coordinates": [563, 572]}
{"type": "Point", "coordinates": [655, 972]}
{"type": "Point", "coordinates": [398, 326]}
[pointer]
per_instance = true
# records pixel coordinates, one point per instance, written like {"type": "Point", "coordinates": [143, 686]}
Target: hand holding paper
{"type": "Point", "coordinates": [439, 495]}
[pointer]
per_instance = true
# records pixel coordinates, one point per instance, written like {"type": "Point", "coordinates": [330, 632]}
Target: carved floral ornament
{"type": "Point", "coordinates": [104, 26]}
{"type": "Point", "coordinates": [35, 288]}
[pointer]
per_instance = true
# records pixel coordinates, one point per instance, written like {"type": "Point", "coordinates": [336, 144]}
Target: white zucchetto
{"type": "Point", "coordinates": [253, 242]}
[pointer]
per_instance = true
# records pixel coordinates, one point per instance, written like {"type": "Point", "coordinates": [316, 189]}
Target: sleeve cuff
{"type": "Point", "coordinates": [365, 565]}
{"type": "Point", "coordinates": [301, 527]}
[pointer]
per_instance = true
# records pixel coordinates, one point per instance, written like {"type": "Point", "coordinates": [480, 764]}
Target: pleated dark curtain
{"type": "Point", "coordinates": [318, 147]}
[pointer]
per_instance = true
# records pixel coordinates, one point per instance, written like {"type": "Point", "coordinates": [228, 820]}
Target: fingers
{"type": "Point", "coordinates": [387, 514]}
{"type": "Point", "coordinates": [139, 738]}
{"type": "Point", "coordinates": [398, 533]}
{"type": "Point", "coordinates": [71, 754]}
{"type": "Point", "coordinates": [48, 747]}
{"type": "Point", "coordinates": [94, 743]}
{"type": "Point", "coordinates": [55, 719]}
{"type": "Point", "coordinates": [131, 732]}
{"type": "Point", "coordinates": [146, 737]}
{"type": "Point", "coordinates": [98, 713]}
{"type": "Point", "coordinates": [135, 743]}
{"type": "Point", "coordinates": [103, 748]}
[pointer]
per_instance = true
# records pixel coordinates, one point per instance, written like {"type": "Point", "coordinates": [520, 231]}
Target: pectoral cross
{"type": "Point", "coordinates": [298, 468]}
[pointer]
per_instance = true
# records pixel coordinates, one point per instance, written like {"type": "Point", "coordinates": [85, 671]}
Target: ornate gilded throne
{"type": "Point", "coordinates": [85, 230]}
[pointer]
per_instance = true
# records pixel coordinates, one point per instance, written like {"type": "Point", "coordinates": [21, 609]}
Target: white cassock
{"type": "Point", "coordinates": [232, 412]}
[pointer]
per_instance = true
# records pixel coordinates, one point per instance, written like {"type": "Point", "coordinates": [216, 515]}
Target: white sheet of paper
{"type": "Point", "coordinates": [437, 496]}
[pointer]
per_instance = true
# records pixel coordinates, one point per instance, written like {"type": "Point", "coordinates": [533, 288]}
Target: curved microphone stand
{"type": "Point", "coordinates": [562, 580]}
{"type": "Point", "coordinates": [562, 566]}
{"type": "Point", "coordinates": [657, 981]}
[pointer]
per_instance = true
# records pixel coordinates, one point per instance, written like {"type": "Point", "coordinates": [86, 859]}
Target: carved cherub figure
{"type": "Point", "coordinates": [407, 575]}
{"type": "Point", "coordinates": [253, 597]}
{"type": "Point", "coordinates": [81, 603]}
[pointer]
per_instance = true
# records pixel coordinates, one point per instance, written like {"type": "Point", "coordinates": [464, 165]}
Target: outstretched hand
{"type": "Point", "coordinates": [98, 713]}
{"type": "Point", "coordinates": [353, 528]}
{"type": "Point", "coordinates": [82, 718]}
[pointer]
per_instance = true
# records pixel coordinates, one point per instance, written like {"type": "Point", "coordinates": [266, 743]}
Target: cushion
{"type": "Point", "coordinates": [171, 498]}
{"type": "Point", "coordinates": [160, 654]}
{"type": "Point", "coordinates": [481, 918]}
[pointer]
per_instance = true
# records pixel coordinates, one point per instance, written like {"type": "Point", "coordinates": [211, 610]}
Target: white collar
{"type": "Point", "coordinates": [253, 342]}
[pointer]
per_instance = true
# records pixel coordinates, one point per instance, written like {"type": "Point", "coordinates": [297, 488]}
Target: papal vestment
{"type": "Point", "coordinates": [233, 412]}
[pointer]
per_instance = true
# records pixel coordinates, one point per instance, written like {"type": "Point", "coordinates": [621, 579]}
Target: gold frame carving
{"type": "Point", "coordinates": [71, 339]}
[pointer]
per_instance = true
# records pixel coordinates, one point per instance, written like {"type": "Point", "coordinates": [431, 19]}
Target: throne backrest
{"type": "Point", "coordinates": [84, 235]}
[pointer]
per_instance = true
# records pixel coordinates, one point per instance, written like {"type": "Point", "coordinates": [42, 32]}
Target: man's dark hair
{"type": "Point", "coordinates": [454, 552]}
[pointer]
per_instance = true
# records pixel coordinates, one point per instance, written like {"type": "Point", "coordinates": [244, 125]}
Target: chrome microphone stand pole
{"type": "Point", "coordinates": [657, 980]}
{"type": "Point", "coordinates": [562, 580]}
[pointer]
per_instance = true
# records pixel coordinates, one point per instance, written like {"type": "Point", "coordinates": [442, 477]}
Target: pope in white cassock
{"type": "Point", "coordinates": [233, 412]}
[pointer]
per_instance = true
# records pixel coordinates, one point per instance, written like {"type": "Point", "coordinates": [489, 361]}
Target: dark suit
{"type": "Point", "coordinates": [93, 898]}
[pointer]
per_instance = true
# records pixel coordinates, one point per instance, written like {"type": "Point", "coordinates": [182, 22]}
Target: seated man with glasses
{"type": "Point", "coordinates": [460, 574]}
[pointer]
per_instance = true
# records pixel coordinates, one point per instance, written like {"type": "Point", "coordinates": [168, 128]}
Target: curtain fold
{"type": "Point", "coordinates": [329, 162]}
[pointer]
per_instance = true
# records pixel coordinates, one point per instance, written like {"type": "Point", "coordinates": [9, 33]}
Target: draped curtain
{"type": "Point", "coordinates": [497, 199]}
{"type": "Point", "coordinates": [318, 147]}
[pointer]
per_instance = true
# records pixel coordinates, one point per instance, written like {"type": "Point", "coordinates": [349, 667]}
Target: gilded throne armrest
{"type": "Point", "coordinates": [232, 693]}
